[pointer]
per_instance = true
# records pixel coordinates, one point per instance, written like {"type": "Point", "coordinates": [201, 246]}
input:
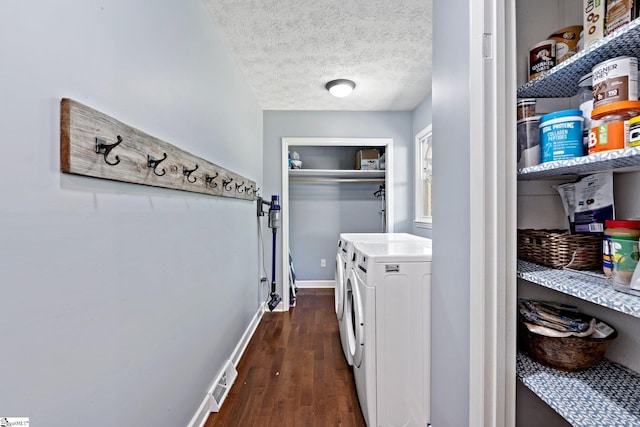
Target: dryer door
{"type": "Point", "coordinates": [339, 285]}
{"type": "Point", "coordinates": [356, 319]}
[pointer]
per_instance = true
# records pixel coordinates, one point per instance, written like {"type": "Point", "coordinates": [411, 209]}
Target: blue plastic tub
{"type": "Point", "coordinates": [561, 135]}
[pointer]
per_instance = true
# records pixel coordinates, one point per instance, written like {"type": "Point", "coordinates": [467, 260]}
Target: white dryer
{"type": "Point", "coordinates": [344, 262]}
{"type": "Point", "coordinates": [390, 338]}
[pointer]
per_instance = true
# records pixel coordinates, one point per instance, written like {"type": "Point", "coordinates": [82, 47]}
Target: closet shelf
{"type": "Point", "coordinates": [562, 80]}
{"type": "Point", "coordinates": [623, 160]}
{"type": "Point", "coordinates": [606, 394]}
{"type": "Point", "coordinates": [589, 286]}
{"type": "Point", "coordinates": [336, 175]}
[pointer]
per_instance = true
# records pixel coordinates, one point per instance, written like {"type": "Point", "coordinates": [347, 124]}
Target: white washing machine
{"type": "Point", "coordinates": [390, 338]}
{"type": "Point", "coordinates": [344, 262]}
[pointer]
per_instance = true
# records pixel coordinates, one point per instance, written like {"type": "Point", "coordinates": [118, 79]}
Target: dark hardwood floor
{"type": "Point", "coordinates": [293, 372]}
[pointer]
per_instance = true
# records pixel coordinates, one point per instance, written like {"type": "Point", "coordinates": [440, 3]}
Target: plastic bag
{"type": "Point", "coordinates": [594, 202]}
{"type": "Point", "coordinates": [588, 203]}
{"type": "Point", "coordinates": [568, 196]}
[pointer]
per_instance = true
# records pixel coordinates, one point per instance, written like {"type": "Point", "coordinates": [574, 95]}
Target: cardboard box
{"type": "Point", "coordinates": [367, 159]}
{"type": "Point", "coordinates": [593, 21]}
{"type": "Point", "coordinates": [619, 13]}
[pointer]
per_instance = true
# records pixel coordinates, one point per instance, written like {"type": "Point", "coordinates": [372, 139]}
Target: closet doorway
{"type": "Point", "coordinates": [329, 195]}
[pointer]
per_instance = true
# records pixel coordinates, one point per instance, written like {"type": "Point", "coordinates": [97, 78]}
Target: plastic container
{"type": "Point", "coordinates": [634, 131]}
{"type": "Point", "coordinates": [610, 126]}
{"type": "Point", "coordinates": [526, 107]}
{"type": "Point", "coordinates": [542, 58]}
{"type": "Point", "coordinates": [620, 251]}
{"type": "Point", "coordinates": [566, 42]}
{"type": "Point", "coordinates": [561, 135]}
{"type": "Point", "coordinates": [585, 101]}
{"type": "Point", "coordinates": [615, 80]}
{"type": "Point", "coordinates": [528, 142]}
{"type": "Point", "coordinates": [585, 89]}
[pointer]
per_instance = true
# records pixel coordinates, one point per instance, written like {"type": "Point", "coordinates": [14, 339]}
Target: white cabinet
{"type": "Point", "coordinates": [608, 394]}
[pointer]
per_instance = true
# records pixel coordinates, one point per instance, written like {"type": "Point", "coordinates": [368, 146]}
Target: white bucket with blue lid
{"type": "Point", "coordinates": [561, 135]}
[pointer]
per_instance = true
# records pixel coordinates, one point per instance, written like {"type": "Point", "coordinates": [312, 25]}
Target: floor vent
{"type": "Point", "coordinates": [222, 385]}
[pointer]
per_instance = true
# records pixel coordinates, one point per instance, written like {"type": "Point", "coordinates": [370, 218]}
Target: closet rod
{"type": "Point", "coordinates": [336, 179]}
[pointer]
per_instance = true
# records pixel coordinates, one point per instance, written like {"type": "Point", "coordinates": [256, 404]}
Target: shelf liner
{"type": "Point", "coordinates": [598, 162]}
{"type": "Point", "coordinates": [590, 287]}
{"type": "Point", "coordinates": [562, 80]}
{"type": "Point", "coordinates": [606, 394]}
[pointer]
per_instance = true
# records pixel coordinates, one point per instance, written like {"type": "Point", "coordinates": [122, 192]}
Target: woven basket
{"type": "Point", "coordinates": [558, 248]}
{"type": "Point", "coordinates": [566, 354]}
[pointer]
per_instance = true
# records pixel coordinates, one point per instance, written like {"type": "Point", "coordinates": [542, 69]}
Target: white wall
{"type": "Point", "coordinates": [422, 115]}
{"type": "Point", "coordinates": [318, 213]}
{"type": "Point", "coordinates": [385, 124]}
{"type": "Point", "coordinates": [120, 302]}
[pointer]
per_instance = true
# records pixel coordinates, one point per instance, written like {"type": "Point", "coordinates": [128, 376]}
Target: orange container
{"type": "Point", "coordinates": [610, 126]}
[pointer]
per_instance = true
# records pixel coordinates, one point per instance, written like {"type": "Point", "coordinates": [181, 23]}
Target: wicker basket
{"type": "Point", "coordinates": [566, 354]}
{"type": "Point", "coordinates": [558, 248]}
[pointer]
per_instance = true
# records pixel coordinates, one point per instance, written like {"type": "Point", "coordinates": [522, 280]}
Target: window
{"type": "Point", "coordinates": [423, 178]}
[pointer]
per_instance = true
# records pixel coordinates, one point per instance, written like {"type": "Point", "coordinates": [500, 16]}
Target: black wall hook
{"type": "Point", "coordinates": [103, 148]}
{"type": "Point", "coordinates": [226, 183]}
{"type": "Point", "coordinates": [239, 188]}
{"type": "Point", "coordinates": [187, 172]}
{"type": "Point", "coordinates": [210, 179]}
{"type": "Point", "coordinates": [153, 163]}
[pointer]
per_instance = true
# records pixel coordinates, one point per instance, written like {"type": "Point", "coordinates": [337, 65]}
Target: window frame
{"type": "Point", "coordinates": [420, 220]}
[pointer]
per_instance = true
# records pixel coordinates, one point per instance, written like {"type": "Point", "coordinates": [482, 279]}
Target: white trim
{"type": "Point", "coordinates": [492, 226]}
{"type": "Point", "coordinates": [315, 284]}
{"type": "Point", "coordinates": [246, 337]}
{"type": "Point", "coordinates": [346, 142]}
{"type": "Point", "coordinates": [284, 217]}
{"type": "Point", "coordinates": [208, 404]}
{"type": "Point", "coordinates": [284, 191]}
{"type": "Point", "coordinates": [423, 224]}
{"type": "Point", "coordinates": [202, 414]}
{"type": "Point", "coordinates": [419, 220]}
{"type": "Point", "coordinates": [506, 317]}
{"type": "Point", "coordinates": [481, 203]}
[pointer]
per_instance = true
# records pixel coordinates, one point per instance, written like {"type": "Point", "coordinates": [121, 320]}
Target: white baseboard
{"type": "Point", "coordinates": [315, 284]}
{"type": "Point", "coordinates": [208, 403]}
{"type": "Point", "coordinates": [201, 415]}
{"type": "Point", "coordinates": [246, 337]}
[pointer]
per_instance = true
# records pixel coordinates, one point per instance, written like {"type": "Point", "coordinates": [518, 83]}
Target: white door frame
{"type": "Point", "coordinates": [387, 143]}
{"type": "Point", "coordinates": [493, 192]}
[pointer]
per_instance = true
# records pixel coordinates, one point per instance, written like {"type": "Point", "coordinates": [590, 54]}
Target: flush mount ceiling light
{"type": "Point", "coordinates": [340, 87]}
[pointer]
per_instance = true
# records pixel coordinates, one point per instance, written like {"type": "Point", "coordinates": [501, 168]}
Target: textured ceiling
{"type": "Point", "coordinates": [289, 49]}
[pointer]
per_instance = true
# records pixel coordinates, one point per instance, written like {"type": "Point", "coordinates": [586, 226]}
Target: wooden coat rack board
{"type": "Point", "coordinates": [94, 144]}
